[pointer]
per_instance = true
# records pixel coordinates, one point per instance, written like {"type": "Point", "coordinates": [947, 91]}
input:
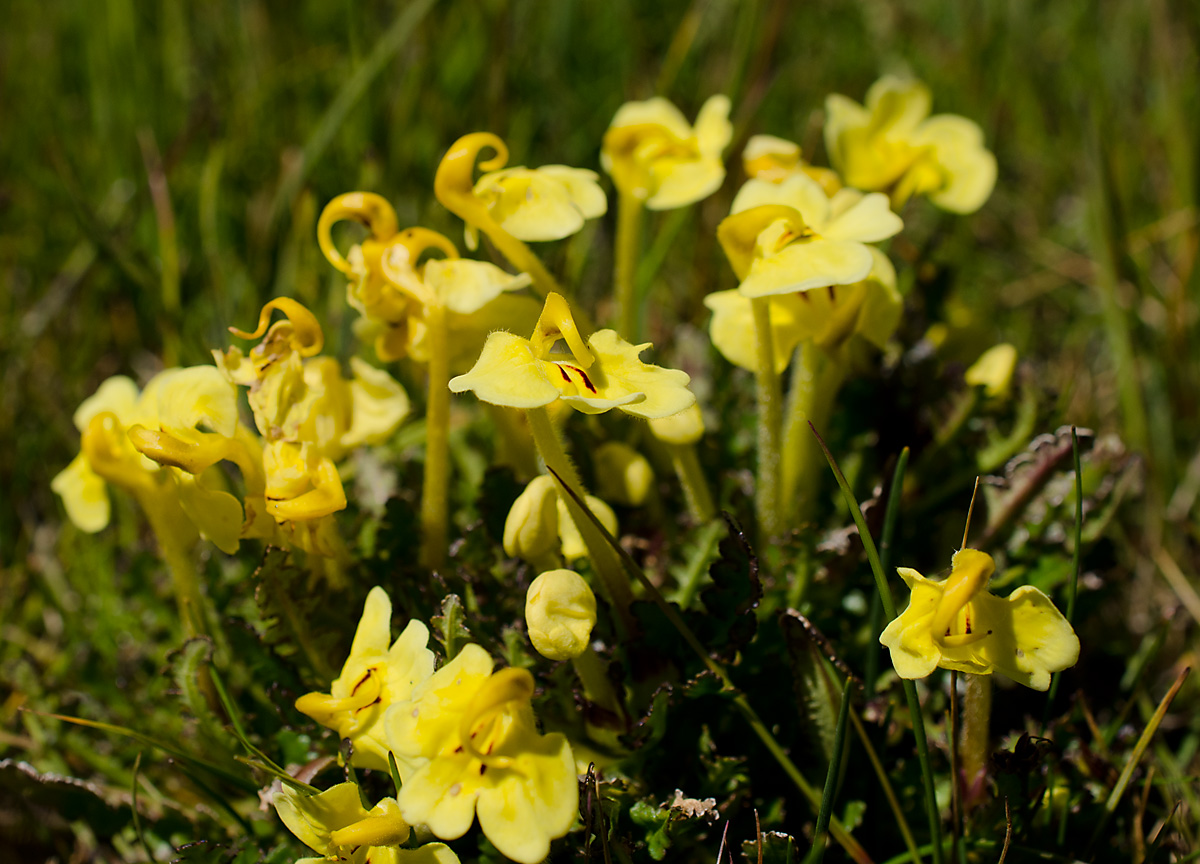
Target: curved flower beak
{"type": "Point", "coordinates": [366, 208]}
{"type": "Point", "coordinates": [302, 332]}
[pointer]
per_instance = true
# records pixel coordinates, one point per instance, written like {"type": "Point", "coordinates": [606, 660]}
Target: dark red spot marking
{"type": "Point", "coordinates": [361, 681]}
{"type": "Point", "coordinates": [563, 372]}
{"type": "Point", "coordinates": [586, 380]}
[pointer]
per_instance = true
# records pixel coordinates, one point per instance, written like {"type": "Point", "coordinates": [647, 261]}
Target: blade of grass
{"type": "Point", "coordinates": [1076, 563]}
{"type": "Point", "coordinates": [838, 831]}
{"type": "Point", "coordinates": [891, 515]}
{"type": "Point", "coordinates": [831, 780]}
{"type": "Point", "coordinates": [1135, 756]}
{"type": "Point", "coordinates": [133, 806]}
{"type": "Point", "coordinates": [187, 759]}
{"type": "Point", "coordinates": [910, 689]}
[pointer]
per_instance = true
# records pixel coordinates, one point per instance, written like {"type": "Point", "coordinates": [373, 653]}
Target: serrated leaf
{"type": "Point", "coordinates": [30, 798]}
{"type": "Point", "coordinates": [188, 665]}
{"type": "Point", "coordinates": [449, 626]}
{"type": "Point", "coordinates": [733, 595]}
{"type": "Point", "coordinates": [816, 703]}
{"type": "Point", "coordinates": [777, 848]}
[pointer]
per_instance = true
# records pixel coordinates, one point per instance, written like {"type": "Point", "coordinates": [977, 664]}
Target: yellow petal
{"type": "Point", "coordinates": [618, 372]}
{"type": "Point", "coordinates": [117, 395]}
{"type": "Point", "coordinates": [732, 328]}
{"type": "Point", "coordinates": [374, 631]}
{"type": "Point", "coordinates": [508, 373]}
{"type": "Point", "coordinates": [84, 495]}
{"type": "Point", "coordinates": [908, 637]}
{"type": "Point", "coordinates": [534, 802]}
{"type": "Point", "coordinates": [798, 191]}
{"type": "Point", "coordinates": [653, 112]}
{"type": "Point", "coordinates": [217, 515]}
{"type": "Point", "coordinates": [466, 286]}
{"type": "Point", "coordinates": [968, 168]}
{"type": "Point", "coordinates": [379, 405]}
{"type": "Point", "coordinates": [683, 182]}
{"type": "Point", "coordinates": [427, 724]}
{"type": "Point", "coordinates": [713, 129]}
{"type": "Point", "coordinates": [194, 397]}
{"type": "Point", "coordinates": [868, 221]}
{"type": "Point", "coordinates": [534, 204]}
{"type": "Point", "coordinates": [1029, 639]}
{"type": "Point", "coordinates": [898, 104]}
{"type": "Point", "coordinates": [313, 818]}
{"type": "Point", "coordinates": [993, 371]}
{"type": "Point", "coordinates": [807, 264]}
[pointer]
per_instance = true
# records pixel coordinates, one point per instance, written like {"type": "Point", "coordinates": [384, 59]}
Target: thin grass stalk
{"type": "Point", "coordinates": [692, 479]}
{"type": "Point", "coordinates": [1135, 756]}
{"type": "Point", "coordinates": [766, 487]}
{"type": "Point", "coordinates": [891, 516]}
{"type": "Point", "coordinates": [910, 689]}
{"type": "Point", "coordinates": [831, 780]}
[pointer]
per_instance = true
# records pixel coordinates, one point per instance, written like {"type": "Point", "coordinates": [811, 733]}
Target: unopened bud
{"type": "Point", "coordinates": [622, 474]}
{"type": "Point", "coordinates": [686, 427]}
{"type": "Point", "coordinates": [531, 529]}
{"type": "Point", "coordinates": [573, 546]}
{"type": "Point", "coordinates": [560, 612]}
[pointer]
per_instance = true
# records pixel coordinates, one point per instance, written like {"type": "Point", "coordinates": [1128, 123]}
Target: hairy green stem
{"type": "Point", "coordinates": [629, 235]}
{"type": "Point", "coordinates": [164, 516]}
{"type": "Point", "coordinates": [434, 498]}
{"type": "Point", "coordinates": [816, 379]}
{"type": "Point", "coordinates": [766, 487]}
{"type": "Point", "coordinates": [691, 477]}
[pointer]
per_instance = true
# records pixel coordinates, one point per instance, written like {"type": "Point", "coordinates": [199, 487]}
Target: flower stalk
{"type": "Point", "coordinates": [629, 235]}
{"type": "Point", "coordinates": [816, 379]}
{"type": "Point", "coordinates": [434, 498]}
{"type": "Point", "coordinates": [770, 398]}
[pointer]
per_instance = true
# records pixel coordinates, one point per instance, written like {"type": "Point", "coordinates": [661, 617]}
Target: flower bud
{"type": "Point", "coordinates": [531, 529]}
{"type": "Point", "coordinates": [572, 541]}
{"type": "Point", "coordinates": [622, 474]}
{"type": "Point", "coordinates": [686, 427]}
{"type": "Point", "coordinates": [560, 612]}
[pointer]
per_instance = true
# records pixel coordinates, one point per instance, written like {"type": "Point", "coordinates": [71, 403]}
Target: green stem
{"type": "Point", "coordinates": [434, 504]}
{"type": "Point", "coordinates": [816, 379]}
{"type": "Point", "coordinates": [831, 777]}
{"type": "Point", "coordinates": [766, 488]}
{"type": "Point", "coordinates": [629, 235]}
{"type": "Point", "coordinates": [695, 485]}
{"type": "Point", "coordinates": [597, 687]}
{"type": "Point", "coordinates": [976, 716]}
{"type": "Point", "coordinates": [891, 514]}
{"type": "Point", "coordinates": [604, 559]}
{"type": "Point", "coordinates": [164, 515]}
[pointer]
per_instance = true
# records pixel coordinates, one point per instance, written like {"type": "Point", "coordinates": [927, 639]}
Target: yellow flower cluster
{"type": "Point", "coordinates": [464, 738]}
{"type": "Point", "coordinates": [162, 444]}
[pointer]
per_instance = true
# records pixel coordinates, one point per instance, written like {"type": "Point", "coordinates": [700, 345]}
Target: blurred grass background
{"type": "Point", "coordinates": [164, 165]}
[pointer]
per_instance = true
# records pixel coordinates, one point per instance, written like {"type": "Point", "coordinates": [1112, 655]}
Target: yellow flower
{"type": "Point", "coordinates": [791, 236]}
{"type": "Point", "coordinates": [336, 826]}
{"type": "Point", "coordinates": [539, 204]}
{"type": "Point", "coordinates": [893, 144]}
{"type": "Point", "coordinates": [957, 624]}
{"type": "Point", "coordinates": [870, 309]}
{"type": "Point", "coordinates": [993, 371]}
{"type": "Point", "coordinates": [485, 756]}
{"type": "Point", "coordinates": [654, 156]}
{"type": "Point", "coordinates": [309, 414]}
{"type": "Point", "coordinates": [766, 157]}
{"type": "Point", "coordinates": [176, 403]}
{"type": "Point", "coordinates": [539, 524]}
{"type": "Point", "coordinates": [560, 612]}
{"type": "Point", "coordinates": [373, 678]}
{"type": "Point", "coordinates": [602, 373]}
